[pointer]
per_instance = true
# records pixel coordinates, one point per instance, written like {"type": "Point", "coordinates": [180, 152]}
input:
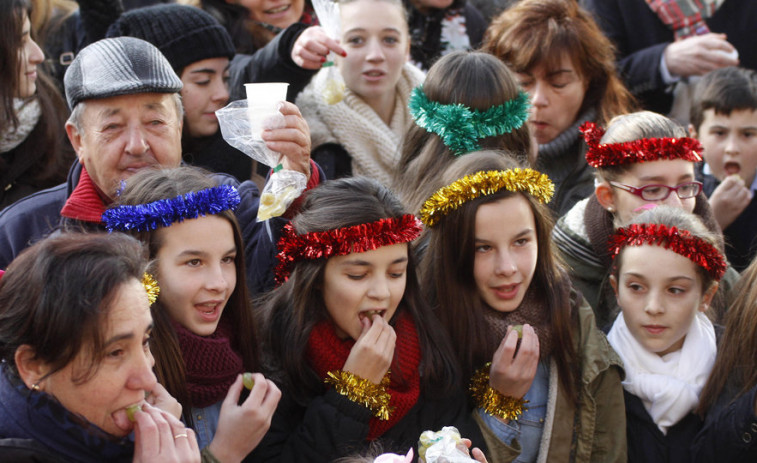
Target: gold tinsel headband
{"type": "Point", "coordinates": [470, 187]}
{"type": "Point", "coordinates": [151, 286]}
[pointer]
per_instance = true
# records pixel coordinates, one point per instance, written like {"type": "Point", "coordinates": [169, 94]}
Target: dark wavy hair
{"type": "Point", "coordinates": [292, 310]}
{"type": "Point", "coordinates": [56, 297]}
{"type": "Point", "coordinates": [447, 276]}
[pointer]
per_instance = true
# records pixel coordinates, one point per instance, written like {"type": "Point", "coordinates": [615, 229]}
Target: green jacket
{"type": "Point", "coordinates": [596, 430]}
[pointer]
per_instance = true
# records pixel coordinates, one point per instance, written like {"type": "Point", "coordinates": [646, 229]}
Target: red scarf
{"type": "Point", "coordinates": [211, 363]}
{"type": "Point", "coordinates": [326, 352]}
{"type": "Point", "coordinates": [686, 18]}
{"type": "Point", "coordinates": [86, 202]}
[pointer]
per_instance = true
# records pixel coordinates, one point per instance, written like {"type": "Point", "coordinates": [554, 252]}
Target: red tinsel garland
{"type": "Point", "coordinates": [681, 242]}
{"type": "Point", "coordinates": [342, 241]}
{"type": "Point", "coordinates": [643, 150]}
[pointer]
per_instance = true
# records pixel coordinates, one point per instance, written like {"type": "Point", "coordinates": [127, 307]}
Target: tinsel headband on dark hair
{"type": "Point", "coordinates": [461, 127]}
{"type": "Point", "coordinates": [164, 212]}
{"type": "Point", "coordinates": [679, 241]}
{"type": "Point", "coordinates": [342, 241]}
{"type": "Point", "coordinates": [637, 151]}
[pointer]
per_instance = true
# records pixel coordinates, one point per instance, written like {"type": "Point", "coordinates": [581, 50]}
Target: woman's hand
{"type": "Point", "coordinates": [474, 453]}
{"type": "Point", "coordinates": [312, 46]}
{"type": "Point", "coordinates": [371, 356]}
{"type": "Point", "coordinates": [292, 140]}
{"type": "Point", "coordinates": [513, 372]}
{"type": "Point", "coordinates": [160, 398]}
{"type": "Point", "coordinates": [242, 427]}
{"type": "Point", "coordinates": [159, 437]}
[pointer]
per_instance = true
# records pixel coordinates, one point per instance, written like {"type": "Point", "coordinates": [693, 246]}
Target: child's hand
{"type": "Point", "coordinates": [242, 427]}
{"type": "Point", "coordinates": [475, 452]}
{"type": "Point", "coordinates": [729, 200]}
{"type": "Point", "coordinates": [371, 356]}
{"type": "Point", "coordinates": [513, 372]}
{"type": "Point", "coordinates": [312, 46]}
{"type": "Point", "coordinates": [159, 397]}
{"type": "Point", "coordinates": [159, 437]}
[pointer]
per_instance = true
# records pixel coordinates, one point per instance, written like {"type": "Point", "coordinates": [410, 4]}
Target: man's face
{"type": "Point", "coordinates": [124, 134]}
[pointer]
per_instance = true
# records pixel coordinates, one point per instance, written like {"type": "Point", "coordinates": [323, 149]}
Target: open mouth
{"type": "Point", "coordinates": [370, 313]}
{"type": "Point", "coordinates": [732, 168]}
{"type": "Point", "coordinates": [277, 10]}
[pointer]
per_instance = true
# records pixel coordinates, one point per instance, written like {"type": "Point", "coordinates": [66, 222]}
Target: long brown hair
{"type": "Point", "coordinates": [475, 80]}
{"type": "Point", "coordinates": [152, 185]}
{"type": "Point", "coordinates": [47, 143]}
{"type": "Point", "coordinates": [447, 276]}
{"type": "Point", "coordinates": [736, 364]}
{"type": "Point", "coordinates": [534, 32]}
{"type": "Point", "coordinates": [292, 310]}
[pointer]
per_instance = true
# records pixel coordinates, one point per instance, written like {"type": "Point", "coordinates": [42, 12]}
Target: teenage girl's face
{"type": "Point", "coordinates": [358, 285]}
{"type": "Point", "coordinates": [124, 374]}
{"type": "Point", "coordinates": [196, 271]}
{"type": "Point", "coordinates": [29, 56]}
{"type": "Point", "coordinates": [374, 34]}
{"type": "Point", "coordinates": [660, 293]}
{"type": "Point", "coordinates": [205, 90]}
{"type": "Point", "coordinates": [506, 252]}
{"type": "Point", "coordinates": [663, 172]}
{"type": "Point", "coordinates": [279, 13]}
{"type": "Point", "coordinates": [556, 97]}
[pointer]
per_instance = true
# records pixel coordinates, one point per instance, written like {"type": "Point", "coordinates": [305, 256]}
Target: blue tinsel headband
{"type": "Point", "coordinates": [460, 127]}
{"type": "Point", "coordinates": [164, 212]}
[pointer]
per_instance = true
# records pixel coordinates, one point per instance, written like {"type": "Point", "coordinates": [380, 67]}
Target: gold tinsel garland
{"type": "Point", "coordinates": [151, 286]}
{"type": "Point", "coordinates": [362, 391]}
{"type": "Point", "coordinates": [492, 401]}
{"type": "Point", "coordinates": [470, 187]}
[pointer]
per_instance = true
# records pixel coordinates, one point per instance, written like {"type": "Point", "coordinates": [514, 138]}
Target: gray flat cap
{"type": "Point", "coordinates": [118, 66]}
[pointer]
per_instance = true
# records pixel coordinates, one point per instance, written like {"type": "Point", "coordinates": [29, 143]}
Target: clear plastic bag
{"type": "Point", "coordinates": [241, 127]}
{"type": "Point", "coordinates": [445, 446]}
{"type": "Point", "coordinates": [327, 12]}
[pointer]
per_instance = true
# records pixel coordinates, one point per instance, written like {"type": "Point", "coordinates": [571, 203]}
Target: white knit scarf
{"type": "Point", "coordinates": [373, 146]}
{"type": "Point", "coordinates": [28, 112]}
{"type": "Point", "coordinates": [669, 386]}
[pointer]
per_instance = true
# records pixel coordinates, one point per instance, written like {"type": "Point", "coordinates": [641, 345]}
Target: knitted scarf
{"type": "Point", "coordinates": [685, 17]}
{"type": "Point", "coordinates": [326, 352]}
{"type": "Point", "coordinates": [211, 363]}
{"type": "Point", "coordinates": [532, 310]}
{"type": "Point", "coordinates": [87, 202]}
{"type": "Point", "coordinates": [36, 415]}
{"type": "Point", "coordinates": [668, 385]}
{"type": "Point", "coordinates": [28, 112]}
{"type": "Point", "coordinates": [373, 146]}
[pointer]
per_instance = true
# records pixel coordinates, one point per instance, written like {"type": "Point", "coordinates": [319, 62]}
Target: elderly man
{"type": "Point", "coordinates": [126, 116]}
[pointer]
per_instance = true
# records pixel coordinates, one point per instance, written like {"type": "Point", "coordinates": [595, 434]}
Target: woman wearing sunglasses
{"type": "Point", "coordinates": [643, 160]}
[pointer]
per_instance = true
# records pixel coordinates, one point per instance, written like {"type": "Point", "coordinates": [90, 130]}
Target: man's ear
{"type": "Point", "coordinates": [30, 368]}
{"type": "Point", "coordinates": [605, 196]}
{"type": "Point", "coordinates": [74, 136]}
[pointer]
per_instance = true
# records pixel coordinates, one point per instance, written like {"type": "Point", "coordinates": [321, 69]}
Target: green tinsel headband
{"type": "Point", "coordinates": [460, 127]}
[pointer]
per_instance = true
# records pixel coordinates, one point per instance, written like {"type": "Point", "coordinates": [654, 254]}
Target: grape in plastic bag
{"type": "Point", "coordinates": [241, 127]}
{"type": "Point", "coordinates": [444, 446]}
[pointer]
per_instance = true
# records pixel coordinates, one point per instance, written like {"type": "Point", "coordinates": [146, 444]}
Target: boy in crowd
{"type": "Point", "coordinates": [724, 119]}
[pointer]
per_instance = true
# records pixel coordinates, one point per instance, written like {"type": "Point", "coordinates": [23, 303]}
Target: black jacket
{"type": "Point", "coordinates": [26, 451]}
{"type": "Point", "coordinates": [641, 37]}
{"type": "Point", "coordinates": [332, 426]}
{"type": "Point", "coordinates": [730, 431]}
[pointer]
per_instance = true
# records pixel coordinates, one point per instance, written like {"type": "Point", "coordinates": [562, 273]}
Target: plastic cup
{"type": "Point", "coordinates": [266, 94]}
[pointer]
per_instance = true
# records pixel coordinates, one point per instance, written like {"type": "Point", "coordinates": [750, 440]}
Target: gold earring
{"type": "Point", "coordinates": [35, 387]}
{"type": "Point", "coordinates": [610, 209]}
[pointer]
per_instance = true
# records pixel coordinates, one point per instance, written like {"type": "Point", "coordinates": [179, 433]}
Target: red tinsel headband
{"type": "Point", "coordinates": [681, 242]}
{"type": "Point", "coordinates": [342, 241]}
{"type": "Point", "coordinates": [643, 150]}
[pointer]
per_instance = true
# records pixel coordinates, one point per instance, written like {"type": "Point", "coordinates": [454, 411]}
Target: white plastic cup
{"type": "Point", "coordinates": [265, 94]}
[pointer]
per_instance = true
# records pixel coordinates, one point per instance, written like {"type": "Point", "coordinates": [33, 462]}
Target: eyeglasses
{"type": "Point", "coordinates": [661, 192]}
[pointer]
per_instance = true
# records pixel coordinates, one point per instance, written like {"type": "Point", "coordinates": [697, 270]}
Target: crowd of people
{"type": "Point", "coordinates": [530, 225]}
